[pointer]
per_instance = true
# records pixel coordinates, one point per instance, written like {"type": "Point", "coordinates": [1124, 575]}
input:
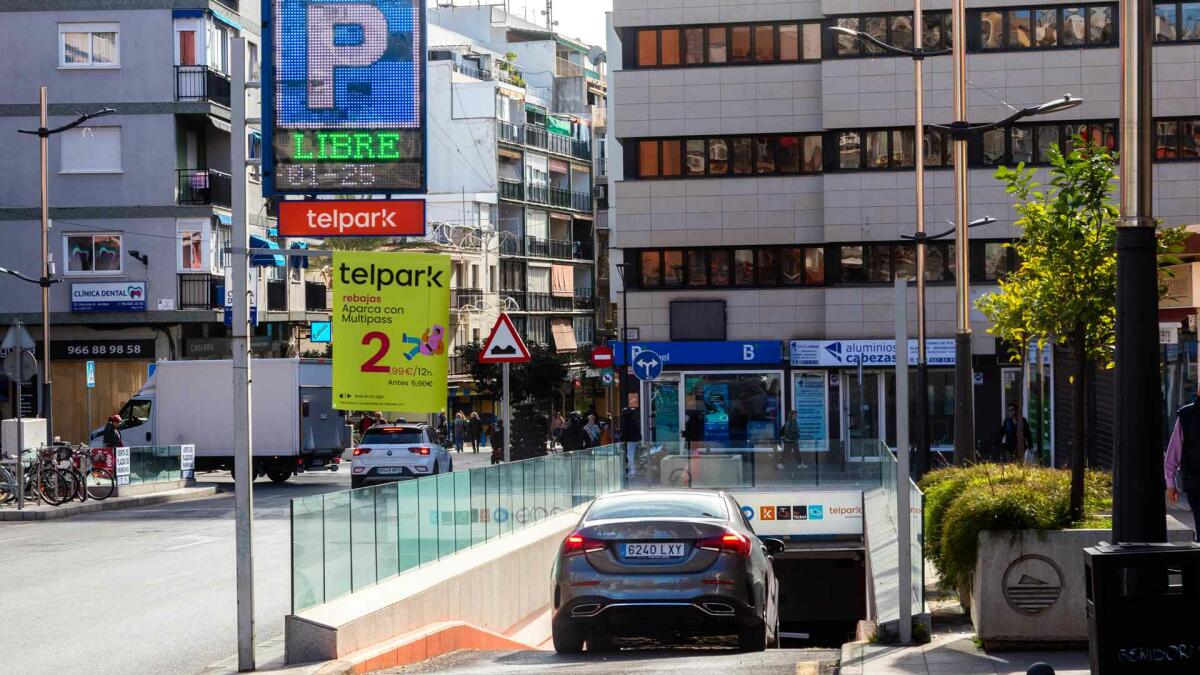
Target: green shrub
{"type": "Point", "coordinates": [961, 502]}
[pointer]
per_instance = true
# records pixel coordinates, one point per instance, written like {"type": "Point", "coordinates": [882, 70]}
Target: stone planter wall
{"type": "Point", "coordinates": [1028, 588]}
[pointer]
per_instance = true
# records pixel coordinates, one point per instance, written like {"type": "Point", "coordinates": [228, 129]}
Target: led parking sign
{"type": "Point", "coordinates": [346, 105]}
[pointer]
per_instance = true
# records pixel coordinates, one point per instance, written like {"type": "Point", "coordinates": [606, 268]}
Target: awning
{"type": "Point", "coordinates": [557, 166]}
{"type": "Point", "coordinates": [556, 125]}
{"type": "Point", "coordinates": [265, 259]}
{"type": "Point", "coordinates": [509, 154]}
{"type": "Point", "coordinates": [225, 20]}
{"type": "Point", "coordinates": [187, 13]}
{"type": "Point", "coordinates": [530, 107]}
{"type": "Point", "coordinates": [225, 220]}
{"type": "Point", "coordinates": [562, 281]}
{"type": "Point", "coordinates": [300, 261]}
{"type": "Point", "coordinates": [564, 335]}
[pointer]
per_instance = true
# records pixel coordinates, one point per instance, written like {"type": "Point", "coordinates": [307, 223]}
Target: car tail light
{"type": "Point", "coordinates": [361, 451]}
{"type": "Point", "coordinates": [731, 541]}
{"type": "Point", "coordinates": [576, 543]}
{"type": "Point", "coordinates": [421, 450]}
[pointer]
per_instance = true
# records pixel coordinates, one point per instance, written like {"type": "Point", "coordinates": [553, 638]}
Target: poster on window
{"type": "Point", "coordinates": [716, 412]}
{"type": "Point", "coordinates": [810, 400]}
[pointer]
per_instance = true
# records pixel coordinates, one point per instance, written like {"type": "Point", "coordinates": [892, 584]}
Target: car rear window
{"type": "Point", "coordinates": [659, 506]}
{"type": "Point", "coordinates": [392, 436]}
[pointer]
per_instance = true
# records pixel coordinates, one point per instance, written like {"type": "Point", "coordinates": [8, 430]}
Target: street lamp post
{"type": "Point", "coordinates": [960, 131]}
{"type": "Point", "coordinates": [43, 132]}
{"type": "Point", "coordinates": [623, 387]}
{"type": "Point", "coordinates": [1138, 514]}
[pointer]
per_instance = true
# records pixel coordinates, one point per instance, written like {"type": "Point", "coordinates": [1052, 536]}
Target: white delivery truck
{"type": "Point", "coordinates": [295, 427]}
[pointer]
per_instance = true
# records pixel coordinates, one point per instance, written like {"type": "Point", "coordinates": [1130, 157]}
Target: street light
{"type": "Point", "coordinates": [622, 387]}
{"type": "Point", "coordinates": [44, 133]}
{"type": "Point", "coordinates": [960, 132]}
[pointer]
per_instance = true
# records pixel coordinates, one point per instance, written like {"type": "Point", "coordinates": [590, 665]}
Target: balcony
{"type": "Point", "coordinates": [511, 189]}
{"type": "Point", "coordinates": [316, 297]}
{"type": "Point", "coordinates": [559, 197]}
{"type": "Point", "coordinates": [600, 166]}
{"type": "Point", "coordinates": [466, 299]}
{"type": "Point", "coordinates": [540, 302]}
{"type": "Point", "coordinates": [507, 132]}
{"type": "Point", "coordinates": [459, 366]}
{"type": "Point", "coordinates": [472, 72]}
{"type": "Point", "coordinates": [200, 291]}
{"type": "Point", "coordinates": [231, 4]}
{"type": "Point", "coordinates": [201, 83]}
{"type": "Point", "coordinates": [551, 249]}
{"type": "Point", "coordinates": [204, 186]}
{"type": "Point", "coordinates": [564, 68]}
{"type": "Point", "coordinates": [584, 300]}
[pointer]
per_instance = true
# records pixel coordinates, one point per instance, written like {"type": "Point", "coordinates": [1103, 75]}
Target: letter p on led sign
{"type": "Point", "coordinates": [344, 111]}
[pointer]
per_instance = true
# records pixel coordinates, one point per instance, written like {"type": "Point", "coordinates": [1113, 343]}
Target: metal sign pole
{"type": "Point", "coordinates": [903, 517]}
{"type": "Point", "coordinates": [507, 404]}
{"type": "Point", "coordinates": [243, 450]}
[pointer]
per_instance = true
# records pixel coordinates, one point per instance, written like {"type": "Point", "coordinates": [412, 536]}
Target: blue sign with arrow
{"type": "Point", "coordinates": [647, 365]}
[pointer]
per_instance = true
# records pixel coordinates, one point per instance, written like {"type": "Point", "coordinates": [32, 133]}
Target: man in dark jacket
{"type": "Point", "coordinates": [573, 436]}
{"type": "Point", "coordinates": [631, 426]}
{"type": "Point", "coordinates": [112, 433]}
{"type": "Point", "coordinates": [693, 429]}
{"type": "Point", "coordinates": [1014, 439]}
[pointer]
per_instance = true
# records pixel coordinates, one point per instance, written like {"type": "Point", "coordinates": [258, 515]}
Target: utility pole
{"type": "Point", "coordinates": [922, 401]}
{"type": "Point", "coordinates": [964, 378]}
{"type": "Point", "coordinates": [44, 147]}
{"type": "Point", "coordinates": [1139, 514]}
{"type": "Point", "coordinates": [243, 443]}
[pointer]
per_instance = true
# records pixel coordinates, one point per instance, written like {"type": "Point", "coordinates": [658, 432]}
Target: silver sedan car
{"type": "Point", "coordinates": [664, 564]}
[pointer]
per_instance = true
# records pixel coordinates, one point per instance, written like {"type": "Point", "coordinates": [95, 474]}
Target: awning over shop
{"type": "Point", "coordinates": [564, 335]}
{"type": "Point", "coordinates": [562, 281]}
{"type": "Point", "coordinates": [265, 259]}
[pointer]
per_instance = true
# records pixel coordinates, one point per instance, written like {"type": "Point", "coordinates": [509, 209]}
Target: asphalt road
{"type": "Point", "coordinates": [654, 659]}
{"type": "Point", "coordinates": [149, 590]}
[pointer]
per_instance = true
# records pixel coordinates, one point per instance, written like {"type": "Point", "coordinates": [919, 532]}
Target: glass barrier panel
{"type": "Point", "coordinates": [492, 481]}
{"type": "Point", "coordinates": [444, 514]}
{"type": "Point", "coordinates": [308, 538]}
{"type": "Point", "coordinates": [427, 518]}
{"type": "Point", "coordinates": [337, 544]}
{"type": "Point", "coordinates": [464, 515]}
{"type": "Point", "coordinates": [362, 537]}
{"type": "Point", "coordinates": [387, 526]}
{"type": "Point", "coordinates": [480, 514]}
{"type": "Point", "coordinates": [408, 537]}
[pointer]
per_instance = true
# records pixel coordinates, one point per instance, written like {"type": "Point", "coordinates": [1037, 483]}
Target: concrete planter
{"type": "Point", "coordinates": [1028, 588]}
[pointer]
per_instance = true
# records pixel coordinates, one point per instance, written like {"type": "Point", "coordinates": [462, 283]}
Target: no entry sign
{"type": "Point", "coordinates": [602, 356]}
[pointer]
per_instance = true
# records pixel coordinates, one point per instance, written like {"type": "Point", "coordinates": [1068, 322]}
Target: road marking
{"type": "Point", "coordinates": [196, 540]}
{"type": "Point", "coordinates": [169, 577]}
{"type": "Point", "coordinates": [9, 541]}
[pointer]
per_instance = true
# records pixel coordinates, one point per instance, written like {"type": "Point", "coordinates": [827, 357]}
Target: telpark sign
{"type": "Point", "coordinates": [352, 218]}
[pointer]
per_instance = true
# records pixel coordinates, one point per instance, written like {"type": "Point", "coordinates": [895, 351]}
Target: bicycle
{"type": "Point", "coordinates": [97, 483]}
{"type": "Point", "coordinates": [42, 480]}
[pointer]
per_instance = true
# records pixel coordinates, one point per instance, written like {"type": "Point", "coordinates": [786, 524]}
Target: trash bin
{"type": "Point", "coordinates": [1143, 608]}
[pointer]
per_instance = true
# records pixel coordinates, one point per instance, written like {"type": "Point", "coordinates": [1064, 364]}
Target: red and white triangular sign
{"type": "Point", "coordinates": [504, 345]}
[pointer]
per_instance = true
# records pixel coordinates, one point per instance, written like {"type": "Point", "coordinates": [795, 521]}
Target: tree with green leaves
{"type": "Point", "coordinates": [1066, 286]}
{"type": "Point", "coordinates": [538, 380]}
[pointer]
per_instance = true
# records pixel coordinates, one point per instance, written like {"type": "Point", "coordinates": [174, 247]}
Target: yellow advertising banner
{"type": "Point", "coordinates": [390, 315]}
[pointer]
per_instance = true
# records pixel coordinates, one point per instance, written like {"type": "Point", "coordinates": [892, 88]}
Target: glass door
{"type": "Point", "coordinates": [664, 413]}
{"type": "Point", "coordinates": [862, 414]}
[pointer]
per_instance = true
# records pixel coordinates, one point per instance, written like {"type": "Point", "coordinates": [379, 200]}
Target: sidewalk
{"type": "Point", "coordinates": [952, 652]}
{"type": "Point", "coordinates": [35, 511]}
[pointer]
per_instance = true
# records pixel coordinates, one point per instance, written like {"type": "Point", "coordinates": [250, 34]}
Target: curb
{"type": "Point", "coordinates": [851, 659]}
{"type": "Point", "coordinates": [435, 640]}
{"type": "Point", "coordinates": [93, 506]}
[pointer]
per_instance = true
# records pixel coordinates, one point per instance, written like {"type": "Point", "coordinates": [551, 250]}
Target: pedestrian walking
{"type": "Point", "coordinates": [606, 431]}
{"type": "Point", "coordinates": [556, 428]}
{"type": "Point", "coordinates": [1181, 466]}
{"type": "Point", "coordinates": [790, 435]}
{"type": "Point", "coordinates": [693, 429]}
{"type": "Point", "coordinates": [112, 433]}
{"type": "Point", "coordinates": [496, 438]}
{"type": "Point", "coordinates": [573, 436]}
{"type": "Point", "coordinates": [460, 431]}
{"type": "Point", "coordinates": [593, 431]}
{"type": "Point", "coordinates": [475, 430]}
{"type": "Point", "coordinates": [1014, 440]}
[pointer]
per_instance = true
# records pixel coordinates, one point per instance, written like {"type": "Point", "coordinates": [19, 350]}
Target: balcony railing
{"type": "Point", "coordinates": [510, 133]}
{"type": "Point", "coordinates": [584, 299]}
{"type": "Point", "coordinates": [315, 297]}
{"type": "Point", "coordinates": [200, 291]}
{"type": "Point", "coordinates": [583, 250]}
{"type": "Point", "coordinates": [581, 201]}
{"type": "Point", "coordinates": [511, 189]}
{"type": "Point", "coordinates": [600, 166]}
{"type": "Point", "coordinates": [459, 365]}
{"type": "Point", "coordinates": [201, 83]}
{"type": "Point", "coordinates": [466, 299]}
{"type": "Point", "coordinates": [540, 302]}
{"type": "Point", "coordinates": [539, 247]}
{"type": "Point", "coordinates": [564, 68]}
{"type": "Point", "coordinates": [510, 74]}
{"type": "Point", "coordinates": [204, 186]}
{"type": "Point", "coordinates": [472, 72]}
{"type": "Point", "coordinates": [276, 295]}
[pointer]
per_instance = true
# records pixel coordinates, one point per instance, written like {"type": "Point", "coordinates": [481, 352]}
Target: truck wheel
{"type": "Point", "coordinates": [279, 475]}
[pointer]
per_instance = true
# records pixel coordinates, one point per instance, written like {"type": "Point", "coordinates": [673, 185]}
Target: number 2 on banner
{"type": "Point", "coordinates": [371, 365]}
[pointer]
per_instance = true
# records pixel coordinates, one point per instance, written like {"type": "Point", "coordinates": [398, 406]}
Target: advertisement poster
{"type": "Point", "coordinates": [811, 403]}
{"type": "Point", "coordinates": [803, 513]}
{"type": "Point", "coordinates": [187, 461]}
{"type": "Point", "coordinates": [716, 413]}
{"type": "Point", "coordinates": [390, 313]}
{"type": "Point", "coordinates": [122, 460]}
{"type": "Point", "coordinates": [665, 403]}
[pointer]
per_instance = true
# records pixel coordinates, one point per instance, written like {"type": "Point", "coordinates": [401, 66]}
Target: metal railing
{"type": "Point", "coordinates": [510, 75]}
{"type": "Point", "coordinates": [316, 297]}
{"type": "Point", "coordinates": [347, 541]}
{"type": "Point", "coordinates": [204, 186]}
{"type": "Point", "coordinates": [458, 365]}
{"type": "Point", "coordinates": [584, 300]}
{"type": "Point", "coordinates": [510, 133]}
{"type": "Point", "coordinates": [466, 299]}
{"type": "Point", "coordinates": [200, 291]}
{"type": "Point", "coordinates": [916, 507]}
{"type": "Point", "coordinates": [472, 72]}
{"type": "Point", "coordinates": [511, 189]}
{"type": "Point", "coordinates": [538, 247]}
{"type": "Point", "coordinates": [201, 83]}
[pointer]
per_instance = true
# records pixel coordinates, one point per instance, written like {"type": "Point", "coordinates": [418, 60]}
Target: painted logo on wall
{"type": "Point", "coordinates": [1032, 584]}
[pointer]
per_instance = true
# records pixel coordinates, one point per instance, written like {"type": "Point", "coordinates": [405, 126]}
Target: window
{"type": "Point", "coordinates": [995, 260]}
{"type": "Point", "coordinates": [743, 267]}
{"type": "Point", "coordinates": [937, 262]}
{"type": "Point", "coordinates": [1190, 21]}
{"type": "Point", "coordinates": [716, 44]}
{"type": "Point", "coordinates": [991, 30]}
{"type": "Point", "coordinates": [876, 27]}
{"type": "Point", "coordinates": [854, 269]}
{"type": "Point", "coordinates": [902, 30]}
{"type": "Point", "coordinates": [936, 26]}
{"type": "Point", "coordinates": [670, 47]}
{"type": "Point", "coordinates": [764, 154]}
{"type": "Point", "coordinates": [1045, 28]}
{"type": "Point", "coordinates": [696, 160]}
{"type": "Point", "coordinates": [1022, 145]}
{"type": "Point", "coordinates": [89, 45]}
{"type": "Point", "coordinates": [739, 44]}
{"type": "Point", "coordinates": [993, 147]}
{"type": "Point", "coordinates": [1047, 136]}
{"type": "Point", "coordinates": [647, 48]}
{"type": "Point", "coordinates": [814, 266]}
{"type": "Point", "coordinates": [693, 39]}
{"type": "Point", "coordinates": [218, 47]}
{"type": "Point", "coordinates": [879, 263]}
{"type": "Point", "coordinates": [812, 41]}
{"type": "Point", "coordinates": [791, 266]}
{"type": "Point", "coordinates": [789, 154]}
{"type": "Point", "coordinates": [789, 42]}
{"type": "Point", "coordinates": [1166, 22]}
{"type": "Point", "coordinates": [90, 150]}
{"type": "Point", "coordinates": [764, 44]}
{"type": "Point", "coordinates": [697, 268]}
{"type": "Point", "coordinates": [1166, 140]}
{"type": "Point", "coordinates": [654, 506]}
{"type": "Point", "coordinates": [742, 155]}
{"type": "Point", "coordinates": [1100, 25]}
{"type": "Point", "coordinates": [651, 269]}
{"type": "Point", "coordinates": [93, 253]}
{"type": "Point", "coordinates": [191, 258]}
{"type": "Point", "coordinates": [812, 154]}
{"type": "Point", "coordinates": [903, 148]}
{"type": "Point", "coordinates": [718, 157]}
{"type": "Point", "coordinates": [672, 268]}
{"type": "Point", "coordinates": [1074, 27]}
{"type": "Point", "coordinates": [849, 150]}
{"type": "Point", "coordinates": [767, 267]}
{"type": "Point", "coordinates": [877, 149]}
{"type": "Point", "coordinates": [935, 148]}
{"type": "Point", "coordinates": [648, 159]}
{"type": "Point", "coordinates": [848, 45]}
{"type": "Point", "coordinates": [718, 268]}
{"type": "Point", "coordinates": [1018, 29]}
{"type": "Point", "coordinates": [670, 158]}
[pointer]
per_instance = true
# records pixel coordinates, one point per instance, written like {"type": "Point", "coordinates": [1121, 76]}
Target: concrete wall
{"type": "Point", "coordinates": [495, 586]}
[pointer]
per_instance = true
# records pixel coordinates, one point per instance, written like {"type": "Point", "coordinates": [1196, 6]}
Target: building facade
{"type": "Point", "coordinates": [511, 143]}
{"type": "Point", "coordinates": [761, 182]}
{"type": "Point", "coordinates": [140, 218]}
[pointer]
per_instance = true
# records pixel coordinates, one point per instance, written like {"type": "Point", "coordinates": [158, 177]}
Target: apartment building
{"type": "Point", "coordinates": [139, 198]}
{"type": "Point", "coordinates": [511, 153]}
{"type": "Point", "coordinates": [761, 182]}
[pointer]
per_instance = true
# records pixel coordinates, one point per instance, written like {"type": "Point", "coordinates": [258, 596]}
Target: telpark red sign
{"type": "Point", "coordinates": [352, 218]}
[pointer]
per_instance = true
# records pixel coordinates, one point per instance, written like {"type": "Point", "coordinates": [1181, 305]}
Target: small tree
{"type": "Point", "coordinates": [537, 380]}
{"type": "Point", "coordinates": [1066, 286]}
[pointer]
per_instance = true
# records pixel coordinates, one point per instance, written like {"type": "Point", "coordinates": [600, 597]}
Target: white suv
{"type": "Point", "coordinates": [390, 452]}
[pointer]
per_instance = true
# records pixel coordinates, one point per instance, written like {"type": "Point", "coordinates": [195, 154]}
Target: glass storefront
{"type": "Point", "coordinates": [735, 409]}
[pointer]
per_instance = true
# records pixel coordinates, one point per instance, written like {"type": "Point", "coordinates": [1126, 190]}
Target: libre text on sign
{"type": "Point", "coordinates": [352, 218]}
{"type": "Point", "coordinates": [390, 313]}
{"type": "Point", "coordinates": [344, 110]}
